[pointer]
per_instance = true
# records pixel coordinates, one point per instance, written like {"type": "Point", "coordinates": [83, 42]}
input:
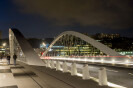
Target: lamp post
{"type": "Point", "coordinates": [4, 44]}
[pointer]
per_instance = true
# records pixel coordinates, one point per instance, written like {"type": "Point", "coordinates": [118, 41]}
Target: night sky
{"type": "Point", "coordinates": [48, 18]}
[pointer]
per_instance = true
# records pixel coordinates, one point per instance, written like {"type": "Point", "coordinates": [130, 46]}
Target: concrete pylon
{"type": "Point", "coordinates": [58, 65]}
{"type": "Point", "coordinates": [73, 69]}
{"type": "Point", "coordinates": [85, 70]}
{"type": "Point", "coordinates": [12, 45]}
{"type": "Point", "coordinates": [48, 63]}
{"type": "Point", "coordinates": [52, 64]}
{"type": "Point", "coordinates": [102, 76]}
{"type": "Point", "coordinates": [65, 67]}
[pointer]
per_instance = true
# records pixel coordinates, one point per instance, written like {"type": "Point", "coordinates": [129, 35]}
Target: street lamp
{"type": "Point", "coordinates": [4, 44]}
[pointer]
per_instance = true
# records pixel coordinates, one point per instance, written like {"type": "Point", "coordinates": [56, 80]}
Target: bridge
{"type": "Point", "coordinates": [73, 60]}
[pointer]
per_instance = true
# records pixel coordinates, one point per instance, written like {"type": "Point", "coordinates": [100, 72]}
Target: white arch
{"type": "Point", "coordinates": [89, 40]}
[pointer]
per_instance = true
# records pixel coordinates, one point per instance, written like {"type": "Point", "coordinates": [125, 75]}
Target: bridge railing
{"type": "Point", "coordinates": [60, 65]}
{"type": "Point", "coordinates": [69, 64]}
{"type": "Point", "coordinates": [122, 61]}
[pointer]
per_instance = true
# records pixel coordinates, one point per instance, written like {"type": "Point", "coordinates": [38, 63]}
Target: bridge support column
{"type": "Point", "coordinates": [102, 76]}
{"type": "Point", "coordinates": [85, 70]}
{"type": "Point", "coordinates": [58, 65]}
{"type": "Point", "coordinates": [65, 67]}
{"type": "Point", "coordinates": [73, 69]}
{"type": "Point", "coordinates": [52, 64]}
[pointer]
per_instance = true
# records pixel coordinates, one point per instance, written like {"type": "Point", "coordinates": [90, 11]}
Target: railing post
{"type": "Point", "coordinates": [85, 70]}
{"type": "Point", "coordinates": [52, 64]}
{"type": "Point", "coordinates": [58, 65]}
{"type": "Point", "coordinates": [73, 69]}
{"type": "Point", "coordinates": [48, 63]}
{"type": "Point", "coordinates": [102, 76]}
{"type": "Point", "coordinates": [65, 67]}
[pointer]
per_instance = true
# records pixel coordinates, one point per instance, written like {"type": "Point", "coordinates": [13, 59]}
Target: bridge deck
{"type": "Point", "coordinates": [24, 76]}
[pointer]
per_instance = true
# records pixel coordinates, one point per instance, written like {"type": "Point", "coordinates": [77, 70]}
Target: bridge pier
{"type": "Point", "coordinates": [58, 65]}
{"type": "Point", "coordinates": [102, 76]}
{"type": "Point", "coordinates": [85, 70]}
{"type": "Point", "coordinates": [73, 69]}
{"type": "Point", "coordinates": [65, 67]}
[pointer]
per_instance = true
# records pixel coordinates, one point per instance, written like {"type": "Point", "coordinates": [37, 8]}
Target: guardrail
{"type": "Point", "coordinates": [122, 61]}
{"type": "Point", "coordinates": [56, 64]}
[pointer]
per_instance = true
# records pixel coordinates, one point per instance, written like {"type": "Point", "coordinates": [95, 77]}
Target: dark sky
{"type": "Point", "coordinates": [48, 18]}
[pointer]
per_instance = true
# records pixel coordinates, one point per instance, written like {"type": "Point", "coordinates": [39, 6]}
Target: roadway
{"type": "Point", "coordinates": [118, 75]}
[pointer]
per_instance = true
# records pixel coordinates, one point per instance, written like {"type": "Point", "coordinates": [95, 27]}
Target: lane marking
{"type": "Point", "coordinates": [112, 70]}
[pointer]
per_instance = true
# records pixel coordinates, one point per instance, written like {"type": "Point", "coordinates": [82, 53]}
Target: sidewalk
{"type": "Point", "coordinates": [25, 76]}
{"type": "Point", "coordinates": [15, 77]}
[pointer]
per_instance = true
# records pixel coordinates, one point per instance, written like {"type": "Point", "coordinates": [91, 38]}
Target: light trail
{"type": "Point", "coordinates": [112, 61]}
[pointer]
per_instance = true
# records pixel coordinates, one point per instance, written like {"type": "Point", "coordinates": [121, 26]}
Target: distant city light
{"type": "Point", "coordinates": [4, 44]}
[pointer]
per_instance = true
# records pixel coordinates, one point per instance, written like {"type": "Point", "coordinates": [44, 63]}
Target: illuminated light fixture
{"type": "Point", "coordinates": [4, 44]}
{"type": "Point", "coordinates": [93, 60]}
{"type": "Point", "coordinates": [113, 61]}
{"type": "Point", "coordinates": [127, 61]}
{"type": "Point", "coordinates": [102, 60]}
{"type": "Point", "coordinates": [85, 60]}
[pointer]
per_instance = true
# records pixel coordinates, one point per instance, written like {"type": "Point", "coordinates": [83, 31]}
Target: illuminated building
{"type": "Point", "coordinates": [71, 45]}
{"type": "Point", "coordinates": [110, 36]}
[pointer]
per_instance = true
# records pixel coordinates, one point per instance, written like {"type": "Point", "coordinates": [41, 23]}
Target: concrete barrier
{"type": "Point", "coordinates": [73, 69]}
{"type": "Point", "coordinates": [85, 70]}
{"type": "Point", "coordinates": [52, 64]}
{"type": "Point", "coordinates": [102, 76]}
{"type": "Point", "coordinates": [48, 63]}
{"type": "Point", "coordinates": [58, 65]}
{"type": "Point", "coordinates": [64, 66]}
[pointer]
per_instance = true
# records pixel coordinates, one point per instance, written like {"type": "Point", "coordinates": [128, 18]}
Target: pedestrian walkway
{"type": "Point", "coordinates": [16, 77]}
{"type": "Point", "coordinates": [27, 76]}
